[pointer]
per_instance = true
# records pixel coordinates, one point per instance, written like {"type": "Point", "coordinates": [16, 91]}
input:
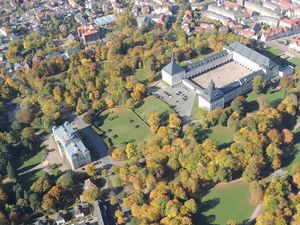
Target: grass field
{"type": "Point", "coordinates": [295, 61]}
{"type": "Point", "coordinates": [195, 110]}
{"type": "Point", "coordinates": [275, 51]}
{"type": "Point", "coordinates": [274, 97]}
{"type": "Point", "coordinates": [152, 104]}
{"type": "Point", "coordinates": [229, 201]}
{"type": "Point", "coordinates": [142, 75]}
{"type": "Point", "coordinates": [27, 159]}
{"type": "Point", "coordinates": [125, 127]}
{"type": "Point", "coordinates": [223, 136]}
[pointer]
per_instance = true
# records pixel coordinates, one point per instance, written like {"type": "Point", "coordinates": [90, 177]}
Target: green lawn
{"type": "Point", "coordinates": [226, 202]}
{"type": "Point", "coordinates": [195, 110]}
{"type": "Point", "coordinates": [274, 97]}
{"type": "Point", "coordinates": [27, 159]}
{"type": "Point", "coordinates": [142, 75]}
{"type": "Point", "coordinates": [122, 130]}
{"type": "Point", "coordinates": [223, 136]}
{"type": "Point", "coordinates": [153, 104]}
{"type": "Point", "coordinates": [295, 61]}
{"type": "Point", "coordinates": [275, 51]}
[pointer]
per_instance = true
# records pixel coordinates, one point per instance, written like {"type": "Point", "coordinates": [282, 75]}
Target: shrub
{"type": "Point", "coordinates": [137, 126]}
{"type": "Point", "coordinates": [131, 141]}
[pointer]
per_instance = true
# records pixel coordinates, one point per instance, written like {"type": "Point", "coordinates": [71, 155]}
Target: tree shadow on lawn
{"type": "Point", "coordinates": [28, 178]}
{"type": "Point", "coordinates": [252, 106]}
{"type": "Point", "coordinates": [23, 154]}
{"type": "Point", "coordinates": [202, 134]}
{"type": "Point", "coordinates": [225, 145]}
{"type": "Point", "coordinates": [200, 218]}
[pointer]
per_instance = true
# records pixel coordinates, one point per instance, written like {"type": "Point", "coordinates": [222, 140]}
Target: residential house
{"type": "Point", "coordinates": [69, 52]}
{"type": "Point", "coordinates": [105, 20]}
{"type": "Point", "coordinates": [88, 33]}
{"type": "Point", "coordinates": [79, 19]}
{"type": "Point", "coordinates": [295, 44]}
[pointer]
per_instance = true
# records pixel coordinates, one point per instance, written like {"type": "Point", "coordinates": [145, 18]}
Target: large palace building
{"type": "Point", "coordinates": [223, 76]}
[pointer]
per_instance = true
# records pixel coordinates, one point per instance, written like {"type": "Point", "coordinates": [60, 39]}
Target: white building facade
{"type": "Point", "coordinates": [71, 146]}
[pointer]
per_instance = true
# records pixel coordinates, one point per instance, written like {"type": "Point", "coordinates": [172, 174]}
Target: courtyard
{"type": "Point", "coordinates": [223, 75]}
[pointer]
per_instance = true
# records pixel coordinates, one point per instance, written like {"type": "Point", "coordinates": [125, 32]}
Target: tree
{"type": "Point", "coordinates": [262, 101]}
{"type": "Point", "coordinates": [28, 134]}
{"type": "Point", "coordinates": [42, 184]}
{"type": "Point", "coordinates": [296, 179]}
{"type": "Point", "coordinates": [119, 216]}
{"type": "Point", "coordinates": [91, 170]}
{"type": "Point", "coordinates": [286, 82]}
{"type": "Point", "coordinates": [88, 117]}
{"type": "Point", "coordinates": [258, 84]}
{"type": "Point", "coordinates": [68, 180]}
{"type": "Point", "coordinates": [35, 201]}
{"type": "Point", "coordinates": [154, 121]}
{"type": "Point", "coordinates": [238, 105]}
{"type": "Point", "coordinates": [174, 121]}
{"type": "Point", "coordinates": [223, 119]}
{"type": "Point", "coordinates": [251, 173]}
{"type": "Point", "coordinates": [26, 117]}
{"type": "Point", "coordinates": [11, 171]}
{"type": "Point", "coordinates": [3, 195]}
{"type": "Point", "coordinates": [130, 151]}
{"type": "Point", "coordinates": [191, 205]}
{"type": "Point", "coordinates": [92, 194]}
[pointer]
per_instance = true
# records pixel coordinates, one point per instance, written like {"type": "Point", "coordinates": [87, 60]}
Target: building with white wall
{"type": "Point", "coordinates": [212, 97]}
{"type": "Point", "coordinates": [295, 44]}
{"type": "Point", "coordinates": [70, 146]}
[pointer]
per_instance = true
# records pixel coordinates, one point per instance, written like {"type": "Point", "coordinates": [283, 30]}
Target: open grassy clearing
{"type": "Point", "coordinates": [153, 104]}
{"type": "Point", "coordinates": [195, 110]}
{"type": "Point", "coordinates": [225, 202]}
{"type": "Point", "coordinates": [142, 75]}
{"type": "Point", "coordinates": [274, 97]}
{"type": "Point", "coordinates": [223, 136]}
{"type": "Point", "coordinates": [295, 61]}
{"type": "Point", "coordinates": [124, 126]}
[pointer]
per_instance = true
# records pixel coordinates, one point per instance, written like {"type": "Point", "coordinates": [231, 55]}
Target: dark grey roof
{"type": "Point", "coordinates": [173, 68]}
{"type": "Point", "coordinates": [206, 60]}
{"type": "Point", "coordinates": [252, 55]}
{"type": "Point", "coordinates": [211, 93]}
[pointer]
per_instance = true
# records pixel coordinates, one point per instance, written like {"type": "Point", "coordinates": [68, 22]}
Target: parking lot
{"type": "Point", "coordinates": [180, 98]}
